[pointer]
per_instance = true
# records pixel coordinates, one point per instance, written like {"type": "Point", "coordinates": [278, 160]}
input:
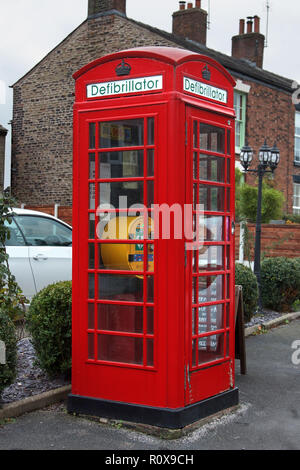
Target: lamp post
{"type": "Point", "coordinates": [268, 157]}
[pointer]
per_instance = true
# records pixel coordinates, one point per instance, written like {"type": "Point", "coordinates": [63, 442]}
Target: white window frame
{"type": "Point", "coordinates": [296, 199]}
{"type": "Point", "coordinates": [297, 139]}
{"type": "Point", "coordinates": [241, 89]}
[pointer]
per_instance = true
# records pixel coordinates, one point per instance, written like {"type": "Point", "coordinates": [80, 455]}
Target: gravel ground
{"type": "Point", "coordinates": [31, 380]}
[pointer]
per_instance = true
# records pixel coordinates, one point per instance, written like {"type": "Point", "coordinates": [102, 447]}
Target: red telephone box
{"type": "Point", "coordinates": [153, 285]}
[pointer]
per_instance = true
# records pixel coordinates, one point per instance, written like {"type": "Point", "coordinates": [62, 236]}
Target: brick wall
{"type": "Point", "coordinates": [271, 115]}
{"type": "Point", "coordinates": [43, 108]}
{"type": "Point", "coordinates": [276, 240]}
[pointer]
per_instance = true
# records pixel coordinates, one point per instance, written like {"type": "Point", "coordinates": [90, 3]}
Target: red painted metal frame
{"type": "Point", "coordinates": [170, 382]}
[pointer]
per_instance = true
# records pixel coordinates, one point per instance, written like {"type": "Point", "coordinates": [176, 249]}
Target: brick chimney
{"type": "Point", "coordinates": [190, 22]}
{"type": "Point", "coordinates": [96, 7]}
{"type": "Point", "coordinates": [250, 44]}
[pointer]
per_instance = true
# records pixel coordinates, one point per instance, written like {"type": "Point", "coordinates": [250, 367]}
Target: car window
{"type": "Point", "coordinates": [16, 238]}
{"type": "Point", "coordinates": [41, 231]}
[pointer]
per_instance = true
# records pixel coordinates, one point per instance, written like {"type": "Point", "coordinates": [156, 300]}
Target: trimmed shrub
{"type": "Point", "coordinates": [8, 335]}
{"type": "Point", "coordinates": [49, 322]}
{"type": "Point", "coordinates": [246, 278]}
{"type": "Point", "coordinates": [280, 283]}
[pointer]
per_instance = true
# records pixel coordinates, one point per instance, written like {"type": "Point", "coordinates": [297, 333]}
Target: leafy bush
{"type": "Point", "coordinates": [8, 335]}
{"type": "Point", "coordinates": [280, 283]}
{"type": "Point", "coordinates": [246, 278]}
{"type": "Point", "coordinates": [12, 300]}
{"type": "Point", "coordinates": [272, 203]}
{"type": "Point", "coordinates": [49, 322]}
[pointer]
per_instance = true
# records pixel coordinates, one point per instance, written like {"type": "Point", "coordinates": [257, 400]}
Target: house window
{"type": "Point", "coordinates": [297, 139]}
{"type": "Point", "coordinates": [240, 122]}
{"type": "Point", "coordinates": [296, 200]}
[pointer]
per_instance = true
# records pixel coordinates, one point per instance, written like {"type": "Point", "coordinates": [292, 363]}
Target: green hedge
{"type": "Point", "coordinates": [49, 322]}
{"type": "Point", "coordinates": [280, 283]}
{"type": "Point", "coordinates": [246, 278]}
{"type": "Point", "coordinates": [8, 335]}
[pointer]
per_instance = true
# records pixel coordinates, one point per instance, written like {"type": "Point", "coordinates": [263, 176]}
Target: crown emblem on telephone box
{"type": "Point", "coordinates": [123, 69]}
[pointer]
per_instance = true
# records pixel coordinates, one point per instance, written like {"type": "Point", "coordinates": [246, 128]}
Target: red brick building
{"type": "Point", "coordinates": [43, 99]}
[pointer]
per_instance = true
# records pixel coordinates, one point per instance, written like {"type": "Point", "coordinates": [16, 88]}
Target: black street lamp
{"type": "Point", "coordinates": [268, 157]}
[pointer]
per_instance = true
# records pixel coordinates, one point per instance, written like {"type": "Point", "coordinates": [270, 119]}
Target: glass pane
{"type": "Point", "coordinates": [121, 256]}
{"type": "Point", "coordinates": [120, 349]}
{"type": "Point", "coordinates": [212, 138]}
{"type": "Point", "coordinates": [195, 164]}
{"type": "Point", "coordinates": [210, 348]}
{"type": "Point", "coordinates": [228, 142]}
{"type": "Point", "coordinates": [15, 236]}
{"type": "Point", "coordinates": [150, 289]}
{"type": "Point", "coordinates": [43, 231]}
{"type": "Point", "coordinates": [111, 192]}
{"type": "Point", "coordinates": [213, 228]}
{"type": "Point", "coordinates": [118, 287]}
{"type": "Point", "coordinates": [210, 288]}
{"type": "Point", "coordinates": [92, 135]}
{"type": "Point", "coordinates": [195, 135]}
{"type": "Point", "coordinates": [92, 172]}
{"type": "Point", "coordinates": [228, 199]}
{"type": "Point", "coordinates": [210, 318]}
{"type": "Point", "coordinates": [150, 193]}
{"type": "Point", "coordinates": [194, 321]}
{"type": "Point", "coordinates": [91, 316]}
{"type": "Point", "coordinates": [150, 131]}
{"type": "Point", "coordinates": [126, 318]}
{"type": "Point", "coordinates": [228, 170]}
{"type": "Point", "coordinates": [211, 258]}
{"type": "Point", "coordinates": [227, 315]}
{"type": "Point", "coordinates": [91, 286]}
{"type": "Point", "coordinates": [91, 256]}
{"type": "Point", "coordinates": [121, 133]}
{"type": "Point", "coordinates": [212, 168]}
{"type": "Point", "coordinates": [127, 164]}
{"type": "Point", "coordinates": [211, 198]}
{"type": "Point", "coordinates": [150, 320]}
{"type": "Point", "coordinates": [92, 195]}
{"type": "Point", "coordinates": [91, 225]}
{"type": "Point", "coordinates": [150, 167]}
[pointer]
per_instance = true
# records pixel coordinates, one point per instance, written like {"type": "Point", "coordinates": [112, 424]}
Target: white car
{"type": "Point", "coordinates": [39, 249]}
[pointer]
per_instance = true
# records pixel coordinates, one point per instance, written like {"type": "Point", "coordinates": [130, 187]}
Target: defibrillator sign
{"type": "Point", "coordinates": [125, 87]}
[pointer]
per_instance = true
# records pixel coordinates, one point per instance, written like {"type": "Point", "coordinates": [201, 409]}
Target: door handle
{"type": "Point", "coordinates": [40, 257]}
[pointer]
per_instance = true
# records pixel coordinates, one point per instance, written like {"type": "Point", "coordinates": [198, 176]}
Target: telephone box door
{"type": "Point", "coordinates": [120, 352]}
{"type": "Point", "coordinates": [210, 267]}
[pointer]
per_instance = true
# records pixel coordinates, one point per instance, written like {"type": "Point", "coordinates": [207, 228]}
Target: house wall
{"type": "Point", "coordinates": [43, 113]}
{"type": "Point", "coordinates": [43, 108]}
{"type": "Point", "coordinates": [271, 116]}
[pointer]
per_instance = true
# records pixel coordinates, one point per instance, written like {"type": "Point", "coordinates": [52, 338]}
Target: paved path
{"type": "Point", "coordinates": [268, 418]}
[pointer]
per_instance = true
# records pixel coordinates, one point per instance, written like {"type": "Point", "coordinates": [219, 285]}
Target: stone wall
{"type": "Point", "coordinates": [43, 108]}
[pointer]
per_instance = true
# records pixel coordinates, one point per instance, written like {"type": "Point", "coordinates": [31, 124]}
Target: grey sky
{"type": "Point", "coordinates": [29, 29]}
